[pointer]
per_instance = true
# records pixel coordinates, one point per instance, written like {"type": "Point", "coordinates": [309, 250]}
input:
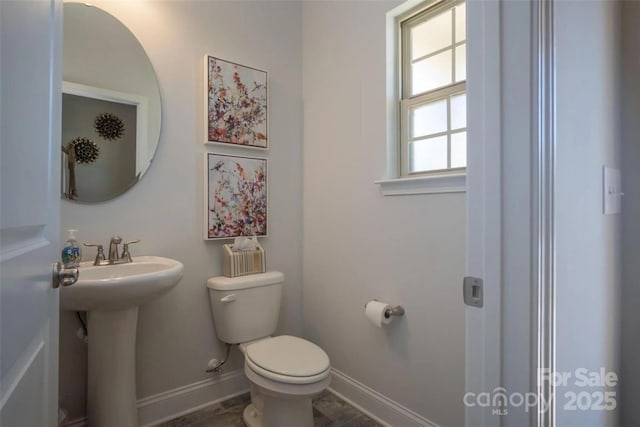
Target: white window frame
{"type": "Point", "coordinates": [399, 181]}
{"type": "Point", "coordinates": [408, 101]}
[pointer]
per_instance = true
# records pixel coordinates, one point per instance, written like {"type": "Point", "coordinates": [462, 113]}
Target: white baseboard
{"type": "Point", "coordinates": [170, 404]}
{"type": "Point", "coordinates": [167, 405]}
{"type": "Point", "coordinates": [164, 406]}
{"type": "Point", "coordinates": [374, 404]}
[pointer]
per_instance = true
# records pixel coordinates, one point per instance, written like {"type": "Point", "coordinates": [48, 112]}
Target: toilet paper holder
{"type": "Point", "coordinates": [397, 310]}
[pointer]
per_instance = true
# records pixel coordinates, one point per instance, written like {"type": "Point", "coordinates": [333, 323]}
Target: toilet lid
{"type": "Point", "coordinates": [289, 356]}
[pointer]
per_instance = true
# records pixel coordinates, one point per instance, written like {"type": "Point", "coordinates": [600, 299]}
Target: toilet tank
{"type": "Point", "coordinates": [245, 308]}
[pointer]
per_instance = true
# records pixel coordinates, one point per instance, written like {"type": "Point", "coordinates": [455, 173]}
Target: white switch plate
{"type": "Point", "coordinates": [611, 191]}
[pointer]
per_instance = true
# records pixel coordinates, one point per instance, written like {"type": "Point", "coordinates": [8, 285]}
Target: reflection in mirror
{"type": "Point", "coordinates": [111, 107]}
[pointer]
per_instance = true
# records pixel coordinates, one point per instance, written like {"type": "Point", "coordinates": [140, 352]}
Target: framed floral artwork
{"type": "Point", "coordinates": [236, 196]}
{"type": "Point", "coordinates": [235, 104]}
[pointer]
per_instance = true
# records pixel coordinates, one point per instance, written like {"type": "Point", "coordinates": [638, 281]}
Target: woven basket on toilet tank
{"type": "Point", "coordinates": [241, 263]}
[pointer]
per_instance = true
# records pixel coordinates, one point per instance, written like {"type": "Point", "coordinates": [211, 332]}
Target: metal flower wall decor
{"type": "Point", "coordinates": [86, 151]}
{"type": "Point", "coordinates": [109, 126]}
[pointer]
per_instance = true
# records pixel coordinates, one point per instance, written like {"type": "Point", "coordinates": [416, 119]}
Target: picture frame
{"type": "Point", "coordinates": [236, 103]}
{"type": "Point", "coordinates": [235, 198]}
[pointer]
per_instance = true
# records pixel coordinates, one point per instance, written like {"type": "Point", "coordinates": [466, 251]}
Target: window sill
{"type": "Point", "coordinates": [427, 184]}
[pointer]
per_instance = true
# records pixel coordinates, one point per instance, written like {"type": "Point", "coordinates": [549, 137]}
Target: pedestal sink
{"type": "Point", "coordinates": [112, 294]}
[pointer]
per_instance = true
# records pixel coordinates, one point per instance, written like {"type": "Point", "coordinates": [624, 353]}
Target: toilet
{"type": "Point", "coordinates": [285, 372]}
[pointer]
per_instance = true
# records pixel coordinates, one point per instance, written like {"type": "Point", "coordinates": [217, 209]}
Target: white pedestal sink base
{"type": "Point", "coordinates": [111, 294]}
{"type": "Point", "coordinates": [111, 394]}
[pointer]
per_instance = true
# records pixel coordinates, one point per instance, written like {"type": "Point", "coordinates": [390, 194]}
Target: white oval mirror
{"type": "Point", "coordinates": [111, 107]}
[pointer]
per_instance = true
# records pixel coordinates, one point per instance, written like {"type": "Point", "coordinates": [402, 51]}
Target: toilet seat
{"type": "Point", "coordinates": [288, 359]}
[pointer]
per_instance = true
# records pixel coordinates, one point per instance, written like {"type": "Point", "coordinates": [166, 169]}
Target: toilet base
{"type": "Point", "coordinates": [280, 413]}
{"type": "Point", "coordinates": [276, 404]}
{"type": "Point", "coordinates": [251, 417]}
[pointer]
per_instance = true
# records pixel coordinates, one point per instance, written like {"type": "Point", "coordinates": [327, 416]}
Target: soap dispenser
{"type": "Point", "coordinates": [71, 253]}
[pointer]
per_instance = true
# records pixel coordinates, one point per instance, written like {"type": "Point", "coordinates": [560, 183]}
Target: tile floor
{"type": "Point", "coordinates": [328, 411]}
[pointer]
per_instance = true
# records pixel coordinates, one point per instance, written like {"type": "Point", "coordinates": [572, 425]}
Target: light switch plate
{"type": "Point", "coordinates": [611, 191]}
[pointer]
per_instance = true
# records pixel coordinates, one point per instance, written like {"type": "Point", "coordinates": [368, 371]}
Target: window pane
{"type": "Point", "coordinates": [431, 73]}
{"type": "Point", "coordinates": [461, 63]}
{"type": "Point", "coordinates": [428, 154]}
{"type": "Point", "coordinates": [459, 111]}
{"type": "Point", "coordinates": [429, 118]}
{"type": "Point", "coordinates": [431, 35]}
{"type": "Point", "coordinates": [459, 150]}
{"type": "Point", "coordinates": [461, 22]}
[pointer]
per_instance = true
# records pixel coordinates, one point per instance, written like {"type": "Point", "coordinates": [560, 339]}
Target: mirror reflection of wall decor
{"type": "Point", "coordinates": [85, 151]}
{"type": "Point", "coordinates": [79, 150]}
{"type": "Point", "coordinates": [236, 196]}
{"type": "Point", "coordinates": [235, 104]}
{"type": "Point", "coordinates": [109, 126]}
{"type": "Point", "coordinates": [110, 96]}
{"type": "Point", "coordinates": [115, 168]}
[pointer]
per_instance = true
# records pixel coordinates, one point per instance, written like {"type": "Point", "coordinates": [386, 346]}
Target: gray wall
{"type": "Point", "coordinates": [359, 245]}
{"type": "Point", "coordinates": [588, 243]}
{"type": "Point", "coordinates": [630, 368]}
{"type": "Point", "coordinates": [176, 335]}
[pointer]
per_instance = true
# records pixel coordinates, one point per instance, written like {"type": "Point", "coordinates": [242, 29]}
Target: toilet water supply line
{"type": "Point", "coordinates": [215, 365]}
{"type": "Point", "coordinates": [83, 333]}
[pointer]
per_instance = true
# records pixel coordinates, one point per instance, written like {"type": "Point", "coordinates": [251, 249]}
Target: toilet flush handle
{"type": "Point", "coordinates": [228, 298]}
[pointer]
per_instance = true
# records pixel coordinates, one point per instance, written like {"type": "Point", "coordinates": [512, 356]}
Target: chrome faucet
{"type": "Point", "coordinates": [114, 257]}
{"type": "Point", "coordinates": [100, 256]}
{"type": "Point", "coordinates": [113, 249]}
{"type": "Point", "coordinates": [126, 256]}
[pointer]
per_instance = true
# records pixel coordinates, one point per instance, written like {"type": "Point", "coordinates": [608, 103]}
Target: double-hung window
{"type": "Point", "coordinates": [433, 120]}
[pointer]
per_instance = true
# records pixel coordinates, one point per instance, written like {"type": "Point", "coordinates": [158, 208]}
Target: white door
{"type": "Point", "coordinates": [30, 84]}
